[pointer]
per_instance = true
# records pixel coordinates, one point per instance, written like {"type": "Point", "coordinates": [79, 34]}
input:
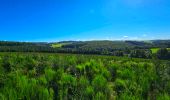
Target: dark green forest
{"type": "Point", "coordinates": [50, 76]}
{"type": "Point", "coordinates": [134, 49]}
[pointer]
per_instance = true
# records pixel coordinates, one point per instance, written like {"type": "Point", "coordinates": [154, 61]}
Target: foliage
{"type": "Point", "coordinates": [43, 76]}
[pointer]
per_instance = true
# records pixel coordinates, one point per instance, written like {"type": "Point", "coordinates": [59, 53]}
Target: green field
{"type": "Point", "coordinates": [155, 50]}
{"type": "Point", "coordinates": [56, 45]}
{"type": "Point", "coordinates": [59, 45]}
{"type": "Point", "coordinates": [51, 76]}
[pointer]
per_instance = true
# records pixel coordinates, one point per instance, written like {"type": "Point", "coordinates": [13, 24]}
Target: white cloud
{"type": "Point", "coordinates": [125, 36]}
{"type": "Point", "coordinates": [130, 38]}
{"type": "Point", "coordinates": [134, 38]}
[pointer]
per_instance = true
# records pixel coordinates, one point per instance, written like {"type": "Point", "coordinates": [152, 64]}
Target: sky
{"type": "Point", "coordinates": [61, 20]}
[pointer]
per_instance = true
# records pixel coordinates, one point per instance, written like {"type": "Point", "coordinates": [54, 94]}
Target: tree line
{"type": "Point", "coordinates": [105, 48]}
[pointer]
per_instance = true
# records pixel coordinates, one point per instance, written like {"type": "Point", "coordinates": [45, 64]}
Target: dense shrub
{"type": "Point", "coordinates": [38, 76]}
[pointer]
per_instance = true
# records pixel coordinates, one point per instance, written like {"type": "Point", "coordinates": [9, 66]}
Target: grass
{"type": "Point", "coordinates": [155, 50]}
{"type": "Point", "coordinates": [56, 45]}
{"type": "Point", "coordinates": [59, 45]}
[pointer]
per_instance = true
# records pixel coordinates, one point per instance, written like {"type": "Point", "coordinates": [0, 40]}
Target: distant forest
{"type": "Point", "coordinates": [138, 49]}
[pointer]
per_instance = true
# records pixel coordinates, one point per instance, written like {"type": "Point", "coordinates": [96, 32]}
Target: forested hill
{"type": "Point", "coordinates": [115, 44]}
{"type": "Point", "coordinates": [13, 43]}
{"type": "Point", "coordinates": [139, 49]}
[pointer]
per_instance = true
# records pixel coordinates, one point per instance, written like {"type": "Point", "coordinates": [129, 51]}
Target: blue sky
{"type": "Point", "coordinates": [57, 20]}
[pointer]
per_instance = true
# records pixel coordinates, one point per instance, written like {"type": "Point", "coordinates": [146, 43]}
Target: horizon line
{"type": "Point", "coordinates": [85, 40]}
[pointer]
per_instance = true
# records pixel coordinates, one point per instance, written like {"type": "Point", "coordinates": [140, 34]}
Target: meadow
{"type": "Point", "coordinates": [155, 50]}
{"type": "Point", "coordinates": [52, 76]}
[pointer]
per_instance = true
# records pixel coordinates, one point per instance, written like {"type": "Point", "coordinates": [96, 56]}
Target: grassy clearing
{"type": "Point", "coordinates": [154, 50]}
{"type": "Point", "coordinates": [56, 45]}
{"type": "Point", "coordinates": [59, 45]}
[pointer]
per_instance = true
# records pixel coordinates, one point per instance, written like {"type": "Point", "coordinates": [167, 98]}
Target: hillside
{"type": "Point", "coordinates": [115, 44]}
{"type": "Point", "coordinates": [138, 49]}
